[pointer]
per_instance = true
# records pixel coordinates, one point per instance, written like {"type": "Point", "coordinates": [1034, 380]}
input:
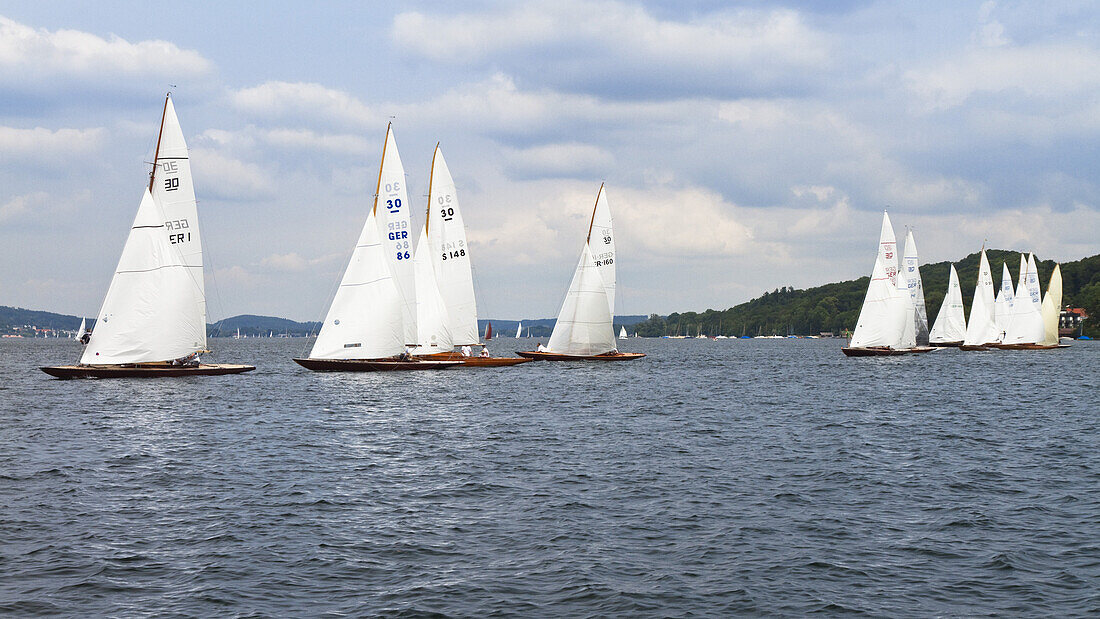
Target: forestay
{"type": "Point", "coordinates": [584, 322]}
{"type": "Point", "coordinates": [365, 318]}
{"type": "Point", "coordinates": [451, 254]}
{"type": "Point", "coordinates": [391, 207]}
{"type": "Point", "coordinates": [153, 307]}
{"type": "Point", "coordinates": [982, 328]}
{"type": "Point", "coordinates": [950, 324]}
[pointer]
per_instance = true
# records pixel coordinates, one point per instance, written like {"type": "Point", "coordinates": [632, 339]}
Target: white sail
{"type": "Point", "coordinates": [601, 241]}
{"type": "Point", "coordinates": [950, 324]}
{"type": "Point", "coordinates": [83, 327]}
{"type": "Point", "coordinates": [888, 249]}
{"type": "Point", "coordinates": [622, 332]}
{"type": "Point", "coordinates": [981, 328]}
{"type": "Point", "coordinates": [916, 290]}
{"type": "Point", "coordinates": [365, 320]}
{"type": "Point", "coordinates": [393, 211]}
{"type": "Point", "coordinates": [1052, 308]}
{"type": "Point", "coordinates": [584, 322]}
{"type": "Point", "coordinates": [451, 254]}
{"type": "Point", "coordinates": [1002, 307]}
{"type": "Point", "coordinates": [432, 333]}
{"type": "Point", "coordinates": [519, 330]}
{"type": "Point", "coordinates": [1025, 324]}
{"type": "Point", "coordinates": [885, 313]}
{"type": "Point", "coordinates": [152, 310]}
{"type": "Point", "coordinates": [1032, 282]}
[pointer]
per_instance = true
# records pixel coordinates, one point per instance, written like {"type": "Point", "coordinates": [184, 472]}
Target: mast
{"type": "Point", "coordinates": [381, 162]}
{"type": "Point", "coordinates": [431, 176]}
{"type": "Point", "coordinates": [593, 219]}
{"type": "Point", "coordinates": [160, 134]}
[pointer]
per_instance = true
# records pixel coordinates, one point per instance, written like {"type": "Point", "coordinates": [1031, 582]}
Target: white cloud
{"type": "Point", "coordinates": [32, 54]}
{"type": "Point", "coordinates": [20, 206]}
{"type": "Point", "coordinates": [621, 42]}
{"type": "Point", "coordinates": [222, 176]}
{"type": "Point", "coordinates": [301, 100]}
{"type": "Point", "coordinates": [563, 159]}
{"type": "Point", "coordinates": [343, 144]}
{"type": "Point", "coordinates": [46, 145]}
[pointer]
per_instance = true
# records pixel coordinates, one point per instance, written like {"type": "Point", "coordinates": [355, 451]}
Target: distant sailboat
{"type": "Point", "coordinates": [79, 335]}
{"type": "Point", "coordinates": [981, 328]}
{"type": "Point", "coordinates": [1052, 309]}
{"type": "Point", "coordinates": [622, 332]}
{"type": "Point", "coordinates": [366, 328]}
{"type": "Point", "coordinates": [153, 319]}
{"type": "Point", "coordinates": [886, 323]}
{"type": "Point", "coordinates": [488, 331]}
{"type": "Point", "coordinates": [950, 326]}
{"type": "Point", "coordinates": [519, 330]}
{"type": "Point", "coordinates": [583, 329]}
{"type": "Point", "coordinates": [1025, 322]}
{"type": "Point", "coordinates": [916, 289]}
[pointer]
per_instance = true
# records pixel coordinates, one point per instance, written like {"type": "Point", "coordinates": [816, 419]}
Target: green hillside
{"type": "Point", "coordinates": [835, 307]}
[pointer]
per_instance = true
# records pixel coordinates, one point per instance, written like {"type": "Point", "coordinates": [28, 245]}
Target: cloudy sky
{"type": "Point", "coordinates": [745, 145]}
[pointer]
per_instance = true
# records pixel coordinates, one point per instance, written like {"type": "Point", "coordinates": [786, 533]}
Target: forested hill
{"type": "Point", "coordinates": [835, 307]}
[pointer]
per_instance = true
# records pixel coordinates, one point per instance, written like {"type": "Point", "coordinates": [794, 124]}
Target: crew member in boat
{"type": "Point", "coordinates": [85, 337]}
{"type": "Point", "coordinates": [467, 351]}
{"type": "Point", "coordinates": [484, 352]}
{"type": "Point", "coordinates": [541, 348]}
{"type": "Point", "coordinates": [190, 360]}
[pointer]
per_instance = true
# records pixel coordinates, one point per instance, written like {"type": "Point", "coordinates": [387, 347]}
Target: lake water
{"type": "Point", "coordinates": [730, 477]}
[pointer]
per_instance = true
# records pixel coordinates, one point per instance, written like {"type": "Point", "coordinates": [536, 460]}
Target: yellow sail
{"type": "Point", "coordinates": [1052, 307]}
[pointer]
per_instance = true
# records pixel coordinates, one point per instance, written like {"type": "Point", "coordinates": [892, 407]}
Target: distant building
{"type": "Point", "coordinates": [1069, 321]}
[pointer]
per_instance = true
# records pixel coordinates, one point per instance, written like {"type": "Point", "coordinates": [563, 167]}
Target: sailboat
{"type": "Point", "coordinates": [81, 330]}
{"type": "Point", "coordinates": [1031, 319]}
{"type": "Point", "coordinates": [488, 331]}
{"type": "Point", "coordinates": [447, 313]}
{"type": "Point", "coordinates": [916, 289]}
{"type": "Point", "coordinates": [1002, 307]}
{"type": "Point", "coordinates": [366, 328]}
{"type": "Point", "coordinates": [519, 330]}
{"type": "Point", "coordinates": [981, 328]}
{"type": "Point", "coordinates": [950, 326]}
{"type": "Point", "coordinates": [622, 332]}
{"type": "Point", "coordinates": [153, 319]}
{"type": "Point", "coordinates": [886, 323]}
{"type": "Point", "coordinates": [1052, 309]}
{"type": "Point", "coordinates": [583, 329]}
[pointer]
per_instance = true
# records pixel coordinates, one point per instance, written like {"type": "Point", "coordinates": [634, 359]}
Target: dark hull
{"type": "Point", "coordinates": [153, 370]}
{"type": "Point", "coordinates": [475, 362]}
{"type": "Point", "coordinates": [607, 356]}
{"type": "Point", "coordinates": [372, 365]}
{"type": "Point", "coordinates": [874, 351]}
{"type": "Point", "coordinates": [946, 344]}
{"type": "Point", "coordinates": [1029, 346]}
{"type": "Point", "coordinates": [973, 347]}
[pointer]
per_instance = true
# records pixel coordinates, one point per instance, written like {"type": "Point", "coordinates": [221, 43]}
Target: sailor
{"type": "Point", "coordinates": [85, 337]}
{"type": "Point", "coordinates": [484, 352]}
{"type": "Point", "coordinates": [541, 348]}
{"type": "Point", "coordinates": [467, 351]}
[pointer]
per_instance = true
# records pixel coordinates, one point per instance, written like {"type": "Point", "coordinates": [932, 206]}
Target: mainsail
{"type": "Point", "coordinates": [1002, 307]}
{"type": "Point", "coordinates": [153, 307]}
{"type": "Point", "coordinates": [1025, 325]}
{"type": "Point", "coordinates": [916, 290]}
{"type": "Point", "coordinates": [519, 330]}
{"type": "Point", "coordinates": [885, 313]}
{"type": "Point", "coordinates": [395, 226]}
{"type": "Point", "coordinates": [950, 324]}
{"type": "Point", "coordinates": [888, 249]}
{"type": "Point", "coordinates": [451, 254]}
{"type": "Point", "coordinates": [601, 242]}
{"type": "Point", "coordinates": [1052, 308]}
{"type": "Point", "coordinates": [982, 328]}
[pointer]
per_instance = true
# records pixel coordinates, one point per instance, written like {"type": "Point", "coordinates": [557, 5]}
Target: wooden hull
{"type": "Point", "coordinates": [144, 370]}
{"type": "Point", "coordinates": [607, 356]}
{"type": "Point", "coordinates": [946, 344]}
{"type": "Point", "coordinates": [874, 351]}
{"type": "Point", "coordinates": [1029, 346]}
{"type": "Point", "coordinates": [372, 365]}
{"type": "Point", "coordinates": [475, 362]}
{"type": "Point", "coordinates": [975, 347]}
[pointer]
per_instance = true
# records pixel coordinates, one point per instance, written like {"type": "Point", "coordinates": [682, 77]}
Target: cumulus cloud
{"type": "Point", "coordinates": [303, 101]}
{"type": "Point", "coordinates": [45, 145]}
{"type": "Point", "coordinates": [568, 159]}
{"type": "Point", "coordinates": [20, 206]}
{"type": "Point", "coordinates": [32, 55]}
{"type": "Point", "coordinates": [625, 46]}
{"type": "Point", "coordinates": [222, 176]}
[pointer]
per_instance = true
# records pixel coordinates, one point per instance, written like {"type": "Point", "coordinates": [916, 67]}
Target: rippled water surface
{"type": "Point", "coordinates": [711, 478]}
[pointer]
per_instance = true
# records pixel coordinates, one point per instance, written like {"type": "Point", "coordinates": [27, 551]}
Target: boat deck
{"type": "Point", "coordinates": [145, 370]}
{"type": "Point", "coordinates": [373, 365]}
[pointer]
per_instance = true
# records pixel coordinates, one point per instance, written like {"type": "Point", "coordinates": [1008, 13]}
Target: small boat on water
{"type": "Point", "coordinates": [950, 326]}
{"type": "Point", "coordinates": [583, 329]}
{"type": "Point", "coordinates": [981, 329]}
{"type": "Point", "coordinates": [519, 330]}
{"type": "Point", "coordinates": [446, 306]}
{"type": "Point", "coordinates": [887, 324]}
{"type": "Point", "coordinates": [366, 328]}
{"type": "Point", "coordinates": [153, 320]}
{"type": "Point", "coordinates": [1048, 312]}
{"type": "Point", "coordinates": [622, 333]}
